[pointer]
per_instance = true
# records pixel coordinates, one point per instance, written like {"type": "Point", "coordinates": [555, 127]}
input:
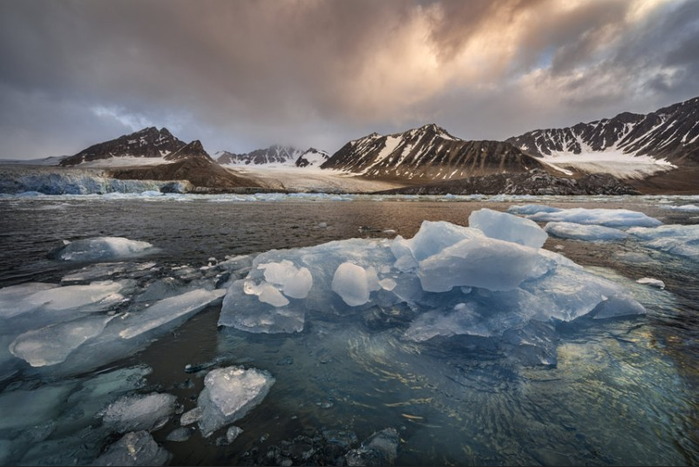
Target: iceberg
{"type": "Point", "coordinates": [592, 233]}
{"type": "Point", "coordinates": [229, 394]}
{"type": "Point", "coordinates": [604, 217]}
{"type": "Point", "coordinates": [100, 249]}
{"type": "Point", "coordinates": [457, 281]}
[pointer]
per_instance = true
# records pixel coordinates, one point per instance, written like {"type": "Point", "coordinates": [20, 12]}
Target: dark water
{"type": "Point", "coordinates": [622, 393]}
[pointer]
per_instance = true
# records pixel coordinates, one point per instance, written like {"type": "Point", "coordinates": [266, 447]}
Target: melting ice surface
{"type": "Point", "coordinates": [492, 281]}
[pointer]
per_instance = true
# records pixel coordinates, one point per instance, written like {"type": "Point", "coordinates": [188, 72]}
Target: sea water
{"type": "Point", "coordinates": [621, 391]}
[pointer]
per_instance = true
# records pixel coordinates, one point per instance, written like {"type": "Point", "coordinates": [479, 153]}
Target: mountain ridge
{"type": "Point", "coordinates": [670, 133]}
{"type": "Point", "coordinates": [426, 153]}
{"type": "Point", "coordinates": [146, 143]}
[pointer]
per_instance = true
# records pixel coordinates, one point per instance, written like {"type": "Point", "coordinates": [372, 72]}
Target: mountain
{"type": "Point", "coordinates": [272, 155]}
{"type": "Point", "coordinates": [149, 142]}
{"type": "Point", "coordinates": [193, 149]}
{"type": "Point", "coordinates": [427, 153]}
{"type": "Point", "coordinates": [312, 158]}
{"type": "Point", "coordinates": [671, 133]}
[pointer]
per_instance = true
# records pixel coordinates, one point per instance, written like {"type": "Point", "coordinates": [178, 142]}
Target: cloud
{"type": "Point", "coordinates": [245, 74]}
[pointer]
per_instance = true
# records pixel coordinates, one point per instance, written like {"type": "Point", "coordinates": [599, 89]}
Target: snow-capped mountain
{"type": "Point", "coordinates": [657, 141]}
{"type": "Point", "coordinates": [312, 158]}
{"type": "Point", "coordinates": [147, 143]}
{"type": "Point", "coordinates": [272, 155]}
{"type": "Point", "coordinates": [427, 153]}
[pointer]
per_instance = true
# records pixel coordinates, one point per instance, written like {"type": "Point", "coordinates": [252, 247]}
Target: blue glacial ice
{"type": "Point", "coordinates": [101, 249]}
{"type": "Point", "coordinates": [229, 394]}
{"type": "Point", "coordinates": [459, 281]}
{"type": "Point", "coordinates": [503, 226]}
{"type": "Point", "coordinates": [594, 233]}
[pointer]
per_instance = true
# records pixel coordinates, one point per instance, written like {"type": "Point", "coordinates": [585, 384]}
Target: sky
{"type": "Point", "coordinates": [240, 75]}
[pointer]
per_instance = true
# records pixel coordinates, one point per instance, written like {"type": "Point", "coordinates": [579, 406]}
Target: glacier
{"type": "Point", "coordinates": [15, 180]}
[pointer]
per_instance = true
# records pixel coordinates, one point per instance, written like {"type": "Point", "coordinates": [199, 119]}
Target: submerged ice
{"type": "Point", "coordinates": [493, 281]}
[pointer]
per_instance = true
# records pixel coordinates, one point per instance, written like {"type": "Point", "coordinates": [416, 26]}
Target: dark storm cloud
{"type": "Point", "coordinates": [242, 74]}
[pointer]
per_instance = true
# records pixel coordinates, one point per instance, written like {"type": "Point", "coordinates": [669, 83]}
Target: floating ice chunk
{"type": "Point", "coordinates": [584, 232]}
{"type": "Point", "coordinates": [387, 284]}
{"type": "Point", "coordinates": [350, 283]}
{"type": "Point", "coordinates": [137, 448]}
{"type": "Point", "coordinates": [100, 249]}
{"type": "Point", "coordinates": [232, 433]}
{"type": "Point", "coordinates": [180, 434]}
{"type": "Point", "coordinates": [528, 209]}
{"type": "Point", "coordinates": [657, 283]}
{"type": "Point", "coordinates": [169, 309]}
{"type": "Point", "coordinates": [480, 262]}
{"type": "Point", "coordinates": [52, 344]}
{"type": "Point", "coordinates": [229, 394]}
{"type": "Point", "coordinates": [684, 207]}
{"type": "Point", "coordinates": [605, 217]}
{"type": "Point", "coordinates": [191, 416]}
{"type": "Point", "coordinates": [98, 296]}
{"type": "Point", "coordinates": [11, 297]}
{"type": "Point", "coordinates": [508, 227]}
{"type": "Point", "coordinates": [680, 240]}
{"type": "Point", "coordinates": [133, 413]}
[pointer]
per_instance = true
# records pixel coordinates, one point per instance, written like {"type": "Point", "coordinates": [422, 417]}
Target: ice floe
{"type": "Point", "coordinates": [101, 249]}
{"type": "Point", "coordinates": [604, 217]}
{"type": "Point", "coordinates": [229, 394]}
{"type": "Point", "coordinates": [680, 240]}
{"type": "Point", "coordinates": [139, 412]}
{"type": "Point", "coordinates": [584, 232]}
{"type": "Point", "coordinates": [657, 283]}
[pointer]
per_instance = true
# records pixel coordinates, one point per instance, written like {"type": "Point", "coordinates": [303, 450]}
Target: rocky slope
{"type": "Point", "coordinates": [533, 182]}
{"type": "Point", "coordinates": [427, 153]}
{"type": "Point", "coordinates": [312, 158]}
{"type": "Point", "coordinates": [272, 155]}
{"type": "Point", "coordinates": [199, 171]}
{"type": "Point", "coordinates": [670, 133]}
{"type": "Point", "coordinates": [149, 142]}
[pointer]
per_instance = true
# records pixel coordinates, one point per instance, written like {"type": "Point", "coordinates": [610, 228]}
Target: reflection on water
{"type": "Point", "coordinates": [623, 392]}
